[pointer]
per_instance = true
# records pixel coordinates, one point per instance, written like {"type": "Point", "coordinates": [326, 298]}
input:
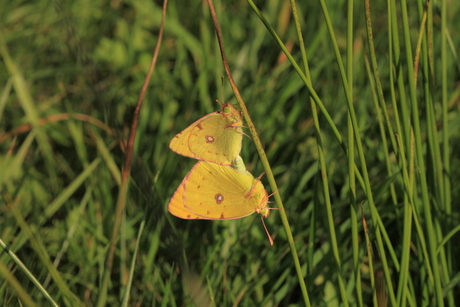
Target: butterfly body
{"type": "Point", "coordinates": [216, 137]}
{"type": "Point", "coordinates": [216, 192]}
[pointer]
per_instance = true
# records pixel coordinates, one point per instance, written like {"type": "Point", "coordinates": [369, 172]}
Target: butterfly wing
{"type": "Point", "coordinates": [218, 192]}
{"type": "Point", "coordinates": [216, 137]}
{"type": "Point", "coordinates": [176, 205]}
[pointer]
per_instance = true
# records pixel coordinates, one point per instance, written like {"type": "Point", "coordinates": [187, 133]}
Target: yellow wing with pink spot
{"type": "Point", "coordinates": [217, 192]}
{"type": "Point", "coordinates": [216, 137]}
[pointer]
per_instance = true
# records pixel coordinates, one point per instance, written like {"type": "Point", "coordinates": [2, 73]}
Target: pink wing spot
{"type": "Point", "coordinates": [199, 126]}
{"type": "Point", "coordinates": [222, 216]}
{"type": "Point", "coordinates": [219, 198]}
{"type": "Point", "coordinates": [209, 139]}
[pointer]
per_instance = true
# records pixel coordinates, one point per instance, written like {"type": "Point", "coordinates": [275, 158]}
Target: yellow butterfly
{"type": "Point", "coordinates": [216, 192]}
{"type": "Point", "coordinates": [216, 137]}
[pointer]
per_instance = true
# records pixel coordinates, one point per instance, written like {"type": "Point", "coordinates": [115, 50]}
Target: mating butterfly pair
{"type": "Point", "coordinates": [218, 187]}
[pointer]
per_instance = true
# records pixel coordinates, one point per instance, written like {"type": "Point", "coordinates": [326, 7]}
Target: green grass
{"type": "Point", "coordinates": [364, 152]}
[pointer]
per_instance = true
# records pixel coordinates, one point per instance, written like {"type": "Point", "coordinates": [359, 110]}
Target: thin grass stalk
{"type": "Point", "coordinates": [23, 236]}
{"type": "Point", "coordinates": [311, 242]}
{"type": "Point", "coordinates": [31, 111]}
{"type": "Point", "coordinates": [15, 162]}
{"type": "Point", "coordinates": [411, 194]}
{"type": "Point", "coordinates": [4, 96]}
{"type": "Point", "coordinates": [7, 160]}
{"type": "Point", "coordinates": [397, 121]}
{"type": "Point", "coordinates": [378, 83]}
{"type": "Point", "coordinates": [68, 296]}
{"type": "Point", "coordinates": [381, 100]}
{"type": "Point", "coordinates": [168, 294]}
{"type": "Point", "coordinates": [387, 241]}
{"type": "Point", "coordinates": [447, 237]}
{"type": "Point", "coordinates": [125, 300]}
{"type": "Point", "coordinates": [370, 257]}
{"type": "Point", "coordinates": [81, 210]}
{"type": "Point", "coordinates": [65, 194]}
{"type": "Point", "coordinates": [380, 120]}
{"type": "Point", "coordinates": [429, 40]}
{"type": "Point", "coordinates": [52, 119]}
{"type": "Point", "coordinates": [445, 265]}
{"type": "Point", "coordinates": [432, 239]}
{"type": "Point", "coordinates": [409, 187]}
{"type": "Point", "coordinates": [395, 69]}
{"type": "Point", "coordinates": [403, 138]}
{"type": "Point", "coordinates": [374, 213]}
{"type": "Point", "coordinates": [123, 258]}
{"type": "Point", "coordinates": [446, 191]}
{"type": "Point", "coordinates": [435, 150]}
{"type": "Point", "coordinates": [447, 196]}
{"type": "Point", "coordinates": [123, 192]}
{"type": "Point", "coordinates": [387, 120]}
{"type": "Point", "coordinates": [392, 74]}
{"type": "Point", "coordinates": [383, 122]}
{"type": "Point", "coordinates": [105, 153]}
{"type": "Point", "coordinates": [402, 291]}
{"type": "Point", "coordinates": [212, 296]}
{"type": "Point", "coordinates": [263, 158]}
{"type": "Point", "coordinates": [329, 213]}
{"type": "Point", "coordinates": [406, 231]}
{"type": "Point", "coordinates": [411, 294]}
{"type": "Point", "coordinates": [407, 210]}
{"type": "Point", "coordinates": [207, 267]}
{"type": "Point", "coordinates": [299, 71]}
{"type": "Point", "coordinates": [351, 162]}
{"type": "Point", "coordinates": [309, 86]}
{"type": "Point", "coordinates": [365, 185]}
{"type": "Point", "coordinates": [407, 169]}
{"type": "Point", "coordinates": [8, 277]}
{"type": "Point", "coordinates": [323, 168]}
{"type": "Point", "coordinates": [354, 218]}
{"type": "Point", "coordinates": [455, 280]}
{"type": "Point", "coordinates": [418, 47]}
{"type": "Point", "coordinates": [402, 129]}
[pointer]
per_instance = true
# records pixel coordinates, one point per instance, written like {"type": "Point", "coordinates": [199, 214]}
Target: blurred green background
{"type": "Point", "coordinates": [70, 76]}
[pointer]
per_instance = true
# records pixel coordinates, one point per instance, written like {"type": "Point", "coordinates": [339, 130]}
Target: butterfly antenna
{"type": "Point", "coordinates": [273, 192]}
{"type": "Point", "coordinates": [221, 105]}
{"type": "Point", "coordinates": [242, 132]}
{"type": "Point", "coordinates": [266, 230]}
{"type": "Point", "coordinates": [258, 178]}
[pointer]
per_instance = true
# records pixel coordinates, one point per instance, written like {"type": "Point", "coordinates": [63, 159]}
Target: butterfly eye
{"type": "Point", "coordinates": [219, 198]}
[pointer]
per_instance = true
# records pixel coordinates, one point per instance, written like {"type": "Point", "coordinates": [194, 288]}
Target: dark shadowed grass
{"type": "Point", "coordinates": [60, 178]}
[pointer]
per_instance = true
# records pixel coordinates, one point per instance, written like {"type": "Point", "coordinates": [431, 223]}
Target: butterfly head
{"type": "Point", "coordinates": [265, 212]}
{"type": "Point", "coordinates": [228, 110]}
{"type": "Point", "coordinates": [262, 208]}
